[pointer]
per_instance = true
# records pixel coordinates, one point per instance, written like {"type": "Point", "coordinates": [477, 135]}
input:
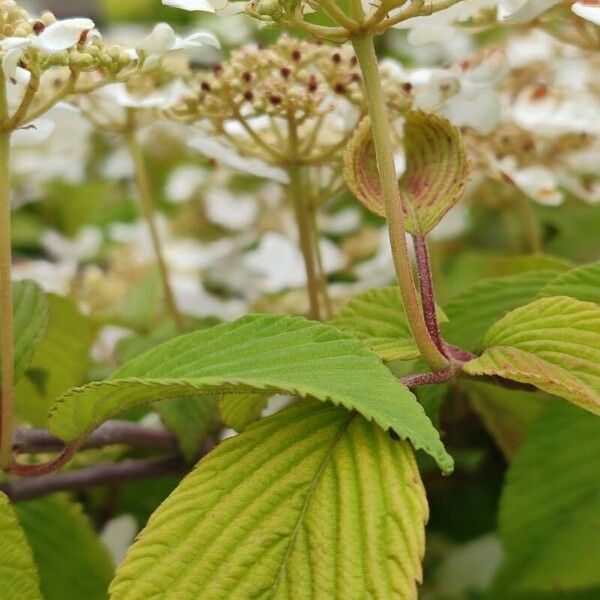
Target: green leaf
{"type": "Point", "coordinates": [59, 363]}
{"type": "Point", "coordinates": [238, 411]}
{"type": "Point", "coordinates": [190, 419]}
{"type": "Point", "coordinates": [582, 283]}
{"type": "Point", "coordinates": [552, 343]}
{"type": "Point", "coordinates": [437, 170]}
{"type": "Point", "coordinates": [313, 502]}
{"type": "Point", "coordinates": [506, 414]}
{"type": "Point", "coordinates": [30, 321]}
{"type": "Point", "coordinates": [549, 508]}
{"type": "Point", "coordinates": [18, 575]}
{"type": "Point", "coordinates": [72, 561]}
{"type": "Point", "coordinates": [377, 318]}
{"type": "Point", "coordinates": [478, 307]}
{"type": "Point", "coordinates": [259, 352]}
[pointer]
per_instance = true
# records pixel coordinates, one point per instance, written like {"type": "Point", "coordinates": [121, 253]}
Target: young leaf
{"type": "Point", "coordinates": [258, 352]}
{"type": "Point", "coordinates": [30, 322]}
{"type": "Point", "coordinates": [18, 575]}
{"type": "Point", "coordinates": [377, 318]}
{"type": "Point", "coordinates": [59, 363]}
{"type": "Point", "coordinates": [549, 507]}
{"type": "Point", "coordinates": [437, 170]}
{"type": "Point", "coordinates": [478, 307]}
{"type": "Point", "coordinates": [313, 502]}
{"type": "Point", "coordinates": [582, 283]}
{"type": "Point", "coordinates": [240, 410]}
{"type": "Point", "coordinates": [552, 343]}
{"type": "Point", "coordinates": [72, 561]}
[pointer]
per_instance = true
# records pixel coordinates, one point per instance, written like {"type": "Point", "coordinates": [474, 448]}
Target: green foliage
{"type": "Point", "coordinates": [72, 561]}
{"type": "Point", "coordinates": [312, 502]}
{"type": "Point", "coordinates": [552, 343]}
{"type": "Point", "coordinates": [479, 306]}
{"type": "Point", "coordinates": [18, 575]}
{"type": "Point", "coordinates": [434, 153]}
{"type": "Point", "coordinates": [30, 321]}
{"type": "Point", "coordinates": [258, 352]}
{"type": "Point", "coordinates": [582, 283]}
{"type": "Point", "coordinates": [377, 318]}
{"type": "Point", "coordinates": [240, 410]}
{"type": "Point", "coordinates": [190, 419]}
{"type": "Point", "coordinates": [59, 363]}
{"type": "Point", "coordinates": [549, 510]}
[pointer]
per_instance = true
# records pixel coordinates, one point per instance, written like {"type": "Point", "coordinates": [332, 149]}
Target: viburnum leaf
{"type": "Point", "coordinates": [258, 352]}
{"type": "Point", "coordinates": [59, 363]}
{"type": "Point", "coordinates": [480, 305]}
{"type": "Point", "coordinates": [377, 318]}
{"type": "Point", "coordinates": [549, 507]}
{"type": "Point", "coordinates": [238, 411]}
{"type": "Point", "coordinates": [582, 283]}
{"type": "Point", "coordinates": [71, 559]}
{"type": "Point", "coordinates": [313, 502]}
{"type": "Point", "coordinates": [18, 575]}
{"type": "Point", "coordinates": [437, 170]}
{"type": "Point", "coordinates": [552, 343]}
{"type": "Point", "coordinates": [30, 321]}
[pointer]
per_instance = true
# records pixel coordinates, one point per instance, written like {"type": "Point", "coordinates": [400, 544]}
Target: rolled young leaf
{"type": "Point", "coordinates": [437, 170]}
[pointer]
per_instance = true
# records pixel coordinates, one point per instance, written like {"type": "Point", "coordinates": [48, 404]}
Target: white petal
{"type": "Point", "coordinates": [62, 35]}
{"type": "Point", "coordinates": [35, 133]}
{"type": "Point", "coordinates": [523, 11]}
{"type": "Point", "coordinates": [15, 42]}
{"type": "Point", "coordinates": [197, 40]}
{"type": "Point", "coordinates": [476, 108]}
{"type": "Point", "coordinates": [161, 40]}
{"type": "Point", "coordinates": [588, 11]}
{"type": "Point", "coordinates": [10, 62]}
{"type": "Point", "coordinates": [229, 157]}
{"type": "Point", "coordinates": [193, 5]}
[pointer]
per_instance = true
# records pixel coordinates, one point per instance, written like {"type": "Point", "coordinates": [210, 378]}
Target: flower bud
{"type": "Point", "coordinates": [269, 8]}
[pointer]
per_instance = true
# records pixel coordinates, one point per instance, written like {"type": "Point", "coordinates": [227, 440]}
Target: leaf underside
{"type": "Point", "coordinates": [258, 352]}
{"type": "Point", "coordinates": [238, 411]}
{"type": "Point", "coordinates": [313, 502]}
{"type": "Point", "coordinates": [18, 575]}
{"type": "Point", "coordinates": [549, 508]}
{"type": "Point", "coordinates": [436, 173]}
{"type": "Point", "coordinates": [552, 343]}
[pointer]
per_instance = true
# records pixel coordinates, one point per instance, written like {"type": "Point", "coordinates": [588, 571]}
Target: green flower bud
{"type": "Point", "coordinates": [269, 8]}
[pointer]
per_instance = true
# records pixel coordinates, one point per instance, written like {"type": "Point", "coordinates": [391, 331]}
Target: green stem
{"type": "Point", "coordinates": [367, 59]}
{"type": "Point", "coordinates": [323, 287]}
{"type": "Point", "coordinates": [529, 223]}
{"type": "Point", "coordinates": [6, 304]}
{"type": "Point", "coordinates": [145, 192]}
{"type": "Point", "coordinates": [297, 194]}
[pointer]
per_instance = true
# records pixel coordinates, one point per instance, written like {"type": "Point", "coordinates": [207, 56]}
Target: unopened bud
{"type": "Point", "coordinates": [269, 8]}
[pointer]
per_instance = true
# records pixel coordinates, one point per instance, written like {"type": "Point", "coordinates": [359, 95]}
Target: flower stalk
{"type": "Point", "coordinates": [367, 60]}
{"type": "Point", "coordinates": [147, 203]}
{"type": "Point", "coordinates": [6, 304]}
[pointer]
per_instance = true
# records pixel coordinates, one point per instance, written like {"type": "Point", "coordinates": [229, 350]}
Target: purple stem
{"type": "Point", "coordinates": [427, 292]}
{"type": "Point", "coordinates": [413, 381]}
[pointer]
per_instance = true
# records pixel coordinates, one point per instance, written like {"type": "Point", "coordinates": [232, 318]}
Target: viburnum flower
{"type": "Point", "coordinates": [588, 9]}
{"type": "Point", "coordinates": [211, 6]}
{"type": "Point", "coordinates": [523, 11]}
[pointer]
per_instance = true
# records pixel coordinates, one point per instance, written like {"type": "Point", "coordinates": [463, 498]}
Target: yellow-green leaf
{"type": "Point", "coordinates": [552, 343]}
{"type": "Point", "coordinates": [437, 170]}
{"type": "Point", "coordinates": [30, 321]}
{"type": "Point", "coordinates": [240, 410]}
{"type": "Point", "coordinates": [18, 575]}
{"type": "Point", "coordinates": [313, 502]}
{"type": "Point", "coordinates": [270, 353]}
{"type": "Point", "coordinates": [582, 283]}
{"type": "Point", "coordinates": [377, 318]}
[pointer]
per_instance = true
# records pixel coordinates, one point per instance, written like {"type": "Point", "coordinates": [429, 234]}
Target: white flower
{"type": "Point", "coordinates": [183, 183]}
{"type": "Point", "coordinates": [59, 36]}
{"type": "Point", "coordinates": [587, 9]}
{"type": "Point", "coordinates": [52, 277]}
{"type": "Point", "coordinates": [163, 39]}
{"type": "Point", "coordinates": [211, 6]}
{"type": "Point", "coordinates": [231, 211]}
{"type": "Point", "coordinates": [523, 11]}
{"type": "Point", "coordinates": [83, 247]}
{"type": "Point", "coordinates": [231, 158]}
{"type": "Point", "coordinates": [536, 182]}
